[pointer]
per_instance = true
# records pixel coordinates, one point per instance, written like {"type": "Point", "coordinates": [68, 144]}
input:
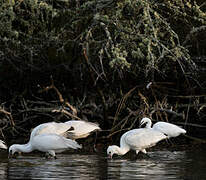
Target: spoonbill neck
{"type": "Point", "coordinates": [148, 123]}
{"type": "Point", "coordinates": [24, 147]}
{"type": "Point", "coordinates": [122, 150]}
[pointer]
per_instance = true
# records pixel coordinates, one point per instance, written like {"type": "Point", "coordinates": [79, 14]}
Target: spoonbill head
{"type": "Point", "coordinates": [112, 150]}
{"type": "Point", "coordinates": [146, 121]}
{"type": "Point", "coordinates": [15, 149]}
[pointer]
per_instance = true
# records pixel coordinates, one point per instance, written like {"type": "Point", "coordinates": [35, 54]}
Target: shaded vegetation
{"type": "Point", "coordinates": [109, 61]}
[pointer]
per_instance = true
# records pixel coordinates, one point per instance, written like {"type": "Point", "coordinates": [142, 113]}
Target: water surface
{"type": "Point", "coordinates": [189, 164]}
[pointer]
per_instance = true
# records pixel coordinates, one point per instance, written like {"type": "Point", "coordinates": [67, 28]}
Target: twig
{"type": "Point", "coordinates": [121, 104]}
{"type": "Point", "coordinates": [201, 108]}
{"type": "Point", "coordinates": [121, 123]}
{"type": "Point", "coordinates": [193, 32]}
{"type": "Point", "coordinates": [93, 79]}
{"type": "Point", "coordinates": [143, 98]}
{"type": "Point", "coordinates": [2, 133]}
{"type": "Point", "coordinates": [192, 105]}
{"type": "Point", "coordinates": [190, 96]}
{"type": "Point", "coordinates": [110, 135]}
{"type": "Point", "coordinates": [8, 114]}
{"type": "Point", "coordinates": [66, 112]}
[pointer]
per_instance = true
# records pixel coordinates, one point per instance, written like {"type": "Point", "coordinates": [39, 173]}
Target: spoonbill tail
{"type": "Point", "coordinates": [82, 129]}
{"type": "Point", "coordinates": [3, 145]}
{"type": "Point", "coordinates": [136, 139]}
{"type": "Point", "coordinates": [171, 130]}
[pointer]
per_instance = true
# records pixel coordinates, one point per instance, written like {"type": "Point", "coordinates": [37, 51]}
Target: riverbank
{"type": "Point", "coordinates": [106, 62]}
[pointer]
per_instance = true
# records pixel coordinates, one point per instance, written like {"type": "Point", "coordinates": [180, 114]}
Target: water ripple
{"type": "Point", "coordinates": [161, 165]}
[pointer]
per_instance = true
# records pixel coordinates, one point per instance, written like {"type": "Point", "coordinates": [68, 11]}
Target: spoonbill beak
{"type": "Point", "coordinates": [10, 155]}
{"type": "Point", "coordinates": [110, 156]}
{"type": "Point", "coordinates": [141, 123]}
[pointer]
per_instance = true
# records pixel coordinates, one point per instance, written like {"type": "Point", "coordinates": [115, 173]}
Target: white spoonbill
{"type": "Point", "coordinates": [171, 130]}
{"type": "Point", "coordinates": [136, 139]}
{"type": "Point", "coordinates": [3, 145]}
{"type": "Point", "coordinates": [73, 129]}
{"type": "Point", "coordinates": [49, 143]}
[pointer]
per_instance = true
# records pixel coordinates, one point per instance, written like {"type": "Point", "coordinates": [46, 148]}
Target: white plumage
{"type": "Point", "coordinates": [82, 129]}
{"type": "Point", "coordinates": [50, 128]}
{"type": "Point", "coordinates": [171, 130]}
{"type": "Point", "coordinates": [73, 129]}
{"type": "Point", "coordinates": [136, 139]}
{"type": "Point", "coordinates": [3, 145]}
{"type": "Point", "coordinates": [49, 143]}
{"type": "Point", "coordinates": [52, 137]}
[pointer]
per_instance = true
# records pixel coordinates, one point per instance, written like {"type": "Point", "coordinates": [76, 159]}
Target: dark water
{"type": "Point", "coordinates": [189, 164]}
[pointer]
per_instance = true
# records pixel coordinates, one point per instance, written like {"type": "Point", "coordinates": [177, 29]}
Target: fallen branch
{"type": "Point", "coordinates": [168, 111]}
{"type": "Point", "coordinates": [66, 112]}
{"type": "Point", "coordinates": [61, 99]}
{"type": "Point", "coordinates": [195, 139]}
{"type": "Point", "coordinates": [190, 124]}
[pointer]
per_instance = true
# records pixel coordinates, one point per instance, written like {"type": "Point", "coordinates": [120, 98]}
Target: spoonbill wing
{"type": "Point", "coordinates": [73, 129]}
{"type": "Point", "coordinates": [81, 128]}
{"type": "Point", "coordinates": [50, 128]}
{"type": "Point", "coordinates": [143, 138]}
{"type": "Point", "coordinates": [169, 129]}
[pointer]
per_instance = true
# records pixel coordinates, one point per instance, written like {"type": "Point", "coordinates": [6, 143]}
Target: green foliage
{"type": "Point", "coordinates": [91, 45]}
{"type": "Point", "coordinates": [118, 35]}
{"type": "Point", "coordinates": [127, 33]}
{"type": "Point", "coordinates": [124, 34]}
{"type": "Point", "coordinates": [119, 58]}
{"type": "Point", "coordinates": [25, 18]}
{"type": "Point", "coordinates": [138, 33]}
{"type": "Point", "coordinates": [7, 16]}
